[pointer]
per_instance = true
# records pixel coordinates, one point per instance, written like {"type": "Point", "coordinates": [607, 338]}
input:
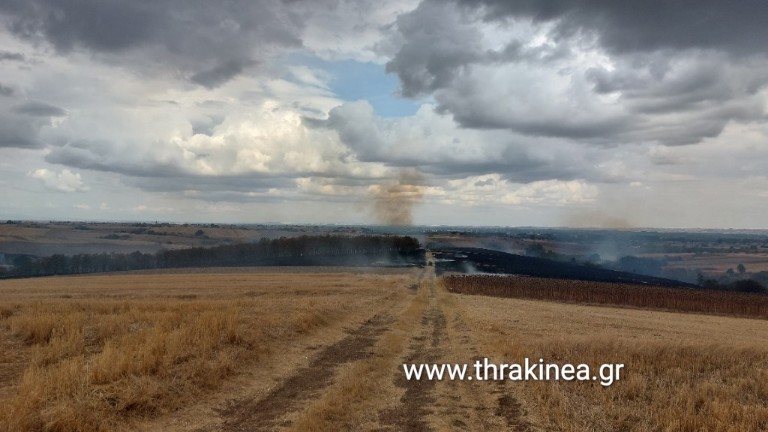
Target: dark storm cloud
{"type": "Point", "coordinates": [650, 25]}
{"type": "Point", "coordinates": [218, 75]}
{"type": "Point", "coordinates": [102, 26]}
{"type": "Point", "coordinates": [39, 109]}
{"type": "Point", "coordinates": [452, 45]}
{"type": "Point", "coordinates": [209, 41]}
{"type": "Point", "coordinates": [11, 56]}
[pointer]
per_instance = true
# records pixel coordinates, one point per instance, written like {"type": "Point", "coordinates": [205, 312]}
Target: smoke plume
{"type": "Point", "coordinates": [597, 219]}
{"type": "Point", "coordinates": [393, 201]}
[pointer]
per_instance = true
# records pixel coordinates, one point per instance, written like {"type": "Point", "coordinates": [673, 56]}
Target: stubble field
{"type": "Point", "coordinates": [322, 350]}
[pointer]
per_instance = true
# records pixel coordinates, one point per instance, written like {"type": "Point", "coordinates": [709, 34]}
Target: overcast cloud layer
{"type": "Point", "coordinates": [524, 112]}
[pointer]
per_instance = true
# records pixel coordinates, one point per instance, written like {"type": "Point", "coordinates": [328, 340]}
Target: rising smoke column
{"type": "Point", "coordinates": [393, 201]}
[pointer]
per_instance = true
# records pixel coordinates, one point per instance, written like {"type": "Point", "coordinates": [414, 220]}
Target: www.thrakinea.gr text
{"type": "Point", "coordinates": [528, 370]}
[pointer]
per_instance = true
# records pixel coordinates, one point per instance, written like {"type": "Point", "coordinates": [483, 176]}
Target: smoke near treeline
{"type": "Point", "coordinates": [394, 200]}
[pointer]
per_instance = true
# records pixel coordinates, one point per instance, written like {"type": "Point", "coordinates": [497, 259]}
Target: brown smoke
{"type": "Point", "coordinates": [597, 219]}
{"type": "Point", "coordinates": [393, 201]}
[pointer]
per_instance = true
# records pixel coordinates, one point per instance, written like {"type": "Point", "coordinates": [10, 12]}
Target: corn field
{"type": "Point", "coordinates": [575, 291]}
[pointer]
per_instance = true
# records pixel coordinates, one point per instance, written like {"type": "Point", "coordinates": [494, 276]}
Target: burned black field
{"type": "Point", "coordinates": [478, 260]}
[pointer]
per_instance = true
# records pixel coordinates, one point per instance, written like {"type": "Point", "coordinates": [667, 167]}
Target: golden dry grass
{"type": "Point", "coordinates": [683, 372]}
{"type": "Point", "coordinates": [108, 350]}
{"type": "Point", "coordinates": [118, 352]}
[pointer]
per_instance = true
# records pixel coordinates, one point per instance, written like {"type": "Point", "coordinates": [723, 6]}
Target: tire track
{"type": "Point", "coordinates": [444, 337]}
{"type": "Point", "coordinates": [489, 408]}
{"type": "Point", "coordinates": [268, 413]}
{"type": "Point", "coordinates": [511, 410]}
{"type": "Point", "coordinates": [494, 408]}
{"type": "Point", "coordinates": [419, 399]}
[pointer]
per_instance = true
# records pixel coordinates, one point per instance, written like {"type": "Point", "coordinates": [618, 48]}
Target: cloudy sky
{"type": "Point", "coordinates": [494, 112]}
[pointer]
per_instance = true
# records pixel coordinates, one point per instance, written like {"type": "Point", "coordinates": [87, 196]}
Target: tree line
{"type": "Point", "coordinates": [303, 250]}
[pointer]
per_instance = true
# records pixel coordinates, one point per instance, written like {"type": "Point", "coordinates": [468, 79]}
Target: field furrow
{"type": "Point", "coordinates": [275, 409]}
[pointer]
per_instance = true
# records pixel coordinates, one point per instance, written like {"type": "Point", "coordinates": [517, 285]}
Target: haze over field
{"type": "Point", "coordinates": [590, 113]}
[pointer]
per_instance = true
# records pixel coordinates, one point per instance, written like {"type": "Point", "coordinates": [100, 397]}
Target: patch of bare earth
{"type": "Point", "coordinates": [275, 408]}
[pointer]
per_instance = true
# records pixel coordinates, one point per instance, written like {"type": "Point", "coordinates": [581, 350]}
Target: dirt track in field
{"type": "Point", "coordinates": [13, 360]}
{"type": "Point", "coordinates": [439, 335]}
{"type": "Point", "coordinates": [264, 414]}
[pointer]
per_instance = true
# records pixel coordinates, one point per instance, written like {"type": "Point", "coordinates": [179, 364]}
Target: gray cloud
{"type": "Point", "coordinates": [39, 109]}
{"type": "Point", "coordinates": [11, 56]}
{"type": "Point", "coordinates": [105, 156]}
{"type": "Point", "coordinates": [6, 90]}
{"type": "Point", "coordinates": [629, 26]}
{"type": "Point", "coordinates": [218, 75]}
{"type": "Point", "coordinates": [452, 43]}
{"type": "Point", "coordinates": [206, 124]}
{"type": "Point", "coordinates": [20, 130]}
{"type": "Point", "coordinates": [209, 41]}
{"type": "Point", "coordinates": [437, 147]}
{"type": "Point", "coordinates": [533, 67]}
{"type": "Point", "coordinates": [21, 124]}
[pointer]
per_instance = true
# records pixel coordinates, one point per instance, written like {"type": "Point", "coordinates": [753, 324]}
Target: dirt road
{"type": "Point", "coordinates": [427, 327]}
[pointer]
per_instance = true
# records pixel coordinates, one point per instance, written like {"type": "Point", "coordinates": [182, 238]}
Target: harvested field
{"type": "Point", "coordinates": [108, 352]}
{"type": "Point", "coordinates": [717, 264]}
{"type": "Point", "coordinates": [323, 349]}
{"type": "Point", "coordinates": [573, 291]}
{"type": "Point", "coordinates": [683, 372]}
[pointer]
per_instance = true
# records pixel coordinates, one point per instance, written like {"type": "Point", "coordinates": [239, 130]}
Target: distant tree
{"type": "Point", "coordinates": [199, 233]}
{"type": "Point", "coordinates": [729, 272]}
{"type": "Point", "coordinates": [741, 268]}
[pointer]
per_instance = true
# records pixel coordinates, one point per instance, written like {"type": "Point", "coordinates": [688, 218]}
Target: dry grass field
{"type": "Point", "coordinates": [322, 350]}
{"type": "Point", "coordinates": [103, 352]}
{"type": "Point", "coordinates": [683, 372]}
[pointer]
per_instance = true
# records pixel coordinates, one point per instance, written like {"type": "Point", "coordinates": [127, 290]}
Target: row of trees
{"type": "Point", "coordinates": [304, 250]}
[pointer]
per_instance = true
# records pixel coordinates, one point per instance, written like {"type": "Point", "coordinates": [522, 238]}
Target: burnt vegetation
{"type": "Point", "coordinates": [470, 260]}
{"type": "Point", "coordinates": [295, 251]}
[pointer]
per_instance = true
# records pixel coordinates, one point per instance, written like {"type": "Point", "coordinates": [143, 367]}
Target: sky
{"type": "Point", "coordinates": [599, 113]}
